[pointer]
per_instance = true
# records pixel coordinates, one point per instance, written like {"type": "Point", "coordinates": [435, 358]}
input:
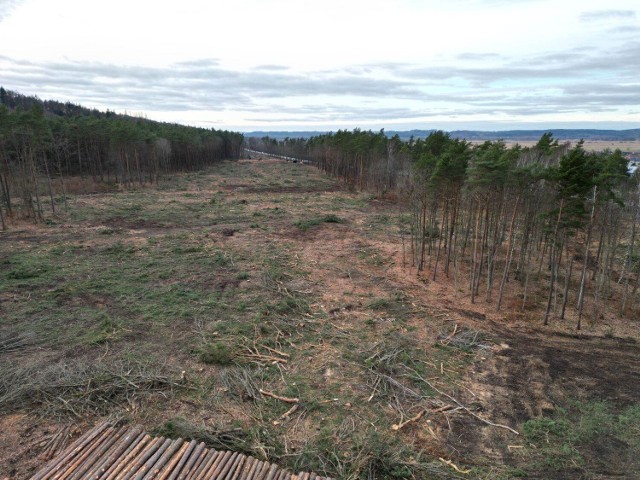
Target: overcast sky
{"type": "Point", "coordinates": [301, 65]}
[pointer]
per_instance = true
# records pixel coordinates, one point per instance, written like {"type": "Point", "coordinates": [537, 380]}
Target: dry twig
{"type": "Point", "coordinates": [401, 425]}
{"type": "Point", "coordinates": [449, 463]}
{"type": "Point", "coordinates": [278, 397]}
{"type": "Point", "coordinates": [478, 417]}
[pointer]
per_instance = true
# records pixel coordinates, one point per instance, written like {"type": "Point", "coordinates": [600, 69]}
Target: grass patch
{"type": "Point", "coordinates": [366, 454]}
{"type": "Point", "coordinates": [305, 225]}
{"type": "Point", "coordinates": [217, 354]}
{"type": "Point", "coordinates": [379, 304]}
{"type": "Point", "coordinates": [107, 330]}
{"type": "Point", "coordinates": [73, 294]}
{"type": "Point", "coordinates": [587, 436]}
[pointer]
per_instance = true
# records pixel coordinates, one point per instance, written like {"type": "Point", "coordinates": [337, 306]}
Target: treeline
{"type": "Point", "coordinates": [41, 151]}
{"type": "Point", "coordinates": [362, 159]}
{"type": "Point", "coordinates": [552, 225]}
{"type": "Point", "coordinates": [14, 100]}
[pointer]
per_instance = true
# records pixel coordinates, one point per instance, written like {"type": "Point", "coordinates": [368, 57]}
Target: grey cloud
{"type": "Point", "coordinates": [275, 68]}
{"type": "Point", "coordinates": [198, 84]}
{"type": "Point", "coordinates": [340, 114]}
{"type": "Point", "coordinates": [578, 80]}
{"type": "Point", "coordinates": [624, 29]}
{"type": "Point", "coordinates": [202, 62]}
{"type": "Point", "coordinates": [623, 62]}
{"type": "Point", "coordinates": [603, 15]}
{"type": "Point", "coordinates": [494, 105]}
{"type": "Point", "coordinates": [478, 56]}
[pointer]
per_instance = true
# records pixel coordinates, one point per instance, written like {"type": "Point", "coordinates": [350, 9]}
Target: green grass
{"type": "Point", "coordinates": [66, 286]}
{"type": "Point", "coordinates": [585, 436]}
{"type": "Point", "coordinates": [305, 225]}
{"type": "Point", "coordinates": [217, 354]}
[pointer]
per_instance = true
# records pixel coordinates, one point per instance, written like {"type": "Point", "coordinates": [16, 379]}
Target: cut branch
{"type": "Point", "coordinates": [401, 425]}
{"type": "Point", "coordinates": [278, 397]}
{"type": "Point", "coordinates": [478, 417]}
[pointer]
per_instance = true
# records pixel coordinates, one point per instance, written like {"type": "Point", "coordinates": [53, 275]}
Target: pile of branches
{"type": "Point", "coordinates": [82, 386]}
{"type": "Point", "coordinates": [383, 366]}
{"type": "Point", "coordinates": [240, 382]}
{"type": "Point", "coordinates": [464, 339]}
{"type": "Point", "coordinates": [393, 375]}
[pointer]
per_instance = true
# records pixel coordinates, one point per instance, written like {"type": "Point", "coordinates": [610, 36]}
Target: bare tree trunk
{"type": "Point", "coordinates": [452, 226]}
{"type": "Point", "coordinates": [36, 186]}
{"type": "Point", "coordinates": [46, 169]}
{"type": "Point", "coordinates": [483, 247]}
{"type": "Point", "coordinates": [553, 263]}
{"type": "Point", "coordinates": [567, 283]}
{"type": "Point", "coordinates": [526, 275]}
{"type": "Point", "coordinates": [441, 235]}
{"type": "Point", "coordinates": [6, 196]}
{"type": "Point", "coordinates": [4, 225]}
{"type": "Point", "coordinates": [474, 256]}
{"type": "Point", "coordinates": [423, 234]}
{"type": "Point", "coordinates": [598, 253]}
{"type": "Point", "coordinates": [498, 233]}
{"type": "Point", "coordinates": [635, 290]}
{"type": "Point", "coordinates": [629, 258]}
{"type": "Point", "coordinates": [505, 274]}
{"type": "Point", "coordinates": [585, 260]}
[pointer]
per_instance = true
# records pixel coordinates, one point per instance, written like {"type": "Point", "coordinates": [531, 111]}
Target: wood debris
{"type": "Point", "coordinates": [55, 443]}
{"type": "Point", "coordinates": [449, 463]}
{"type": "Point", "coordinates": [110, 453]}
{"type": "Point", "coordinates": [401, 425]}
{"type": "Point", "coordinates": [274, 356]}
{"type": "Point", "coordinates": [278, 397]}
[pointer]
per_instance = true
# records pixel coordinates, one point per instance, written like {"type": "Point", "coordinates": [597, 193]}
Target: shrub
{"type": "Point", "coordinates": [217, 354]}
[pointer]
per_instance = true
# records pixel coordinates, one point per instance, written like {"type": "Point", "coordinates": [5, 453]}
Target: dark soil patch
{"type": "Point", "coordinates": [535, 372]}
{"type": "Point", "coordinates": [599, 368]}
{"type": "Point", "coordinates": [252, 188]}
{"type": "Point", "coordinates": [225, 283]}
{"type": "Point", "coordinates": [132, 224]}
{"type": "Point", "coordinates": [469, 313]}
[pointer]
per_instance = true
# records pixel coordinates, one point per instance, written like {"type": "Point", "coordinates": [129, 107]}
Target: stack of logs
{"type": "Point", "coordinates": [110, 453]}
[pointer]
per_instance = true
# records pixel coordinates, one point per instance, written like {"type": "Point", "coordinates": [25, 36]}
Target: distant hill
{"type": "Point", "coordinates": [511, 135]}
{"type": "Point", "coordinates": [281, 135]}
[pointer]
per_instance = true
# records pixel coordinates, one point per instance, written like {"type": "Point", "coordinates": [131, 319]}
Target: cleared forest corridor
{"type": "Point", "coordinates": [262, 307]}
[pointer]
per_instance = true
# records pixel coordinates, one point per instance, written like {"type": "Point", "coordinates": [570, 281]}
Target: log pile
{"type": "Point", "coordinates": [110, 453]}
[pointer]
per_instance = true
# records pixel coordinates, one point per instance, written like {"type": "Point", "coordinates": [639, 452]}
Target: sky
{"type": "Point", "coordinates": [301, 65]}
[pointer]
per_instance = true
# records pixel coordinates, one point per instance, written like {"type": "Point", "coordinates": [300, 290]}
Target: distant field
{"type": "Point", "coordinates": [591, 145]}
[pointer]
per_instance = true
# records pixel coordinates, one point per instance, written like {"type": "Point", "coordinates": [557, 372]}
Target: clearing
{"type": "Point", "coordinates": [194, 307]}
